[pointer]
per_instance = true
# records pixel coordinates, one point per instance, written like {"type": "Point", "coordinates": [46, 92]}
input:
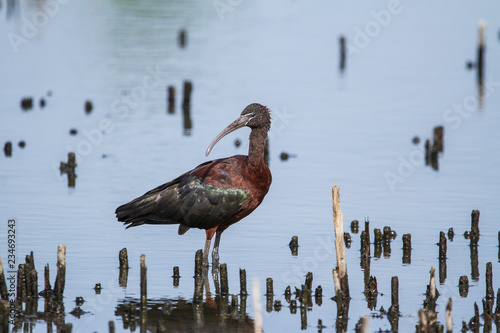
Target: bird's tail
{"type": "Point", "coordinates": [140, 211]}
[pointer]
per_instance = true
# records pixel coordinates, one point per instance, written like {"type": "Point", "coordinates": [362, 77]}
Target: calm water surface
{"type": "Point", "coordinates": [406, 75]}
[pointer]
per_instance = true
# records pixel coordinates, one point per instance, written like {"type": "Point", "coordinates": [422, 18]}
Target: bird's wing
{"type": "Point", "coordinates": [193, 199]}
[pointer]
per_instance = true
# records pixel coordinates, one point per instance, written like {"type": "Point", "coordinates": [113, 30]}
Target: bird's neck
{"type": "Point", "coordinates": [258, 139]}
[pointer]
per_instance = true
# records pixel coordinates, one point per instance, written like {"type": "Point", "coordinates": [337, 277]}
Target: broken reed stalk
{"type": "Point", "coordinates": [176, 276]}
{"type": "Point", "coordinates": [474, 232]}
{"type": "Point", "coordinates": [31, 276]}
{"type": "Point", "coordinates": [463, 286]}
{"type": "Point", "coordinates": [407, 249]}
{"type": "Point", "coordinates": [442, 246]}
{"type": "Point", "coordinates": [188, 88]}
{"type": "Point", "coordinates": [243, 282]}
{"type": "Point", "coordinates": [144, 286]}
{"type": "Point", "coordinates": [123, 258]}
{"type": "Point", "coordinates": [257, 324]}
{"type": "Point", "coordinates": [198, 263]}
{"type": "Point", "coordinates": [176, 273]}
{"type": "Point", "coordinates": [61, 272]}
{"type": "Point", "coordinates": [46, 275]}
{"type": "Point", "coordinates": [309, 280]}
{"type": "Point", "coordinates": [269, 294]}
{"type": "Point", "coordinates": [224, 285]}
{"type": "Point", "coordinates": [449, 318]}
{"type": "Point", "coordinates": [339, 241]}
{"type": "Point", "coordinates": [198, 277]}
{"type": "Point", "coordinates": [394, 295]}
{"type": "Point", "coordinates": [3, 285]}
{"type": "Point", "coordinates": [21, 277]}
{"type": "Point", "coordinates": [490, 293]}
{"type": "Point", "coordinates": [269, 287]}
{"type": "Point", "coordinates": [318, 294]}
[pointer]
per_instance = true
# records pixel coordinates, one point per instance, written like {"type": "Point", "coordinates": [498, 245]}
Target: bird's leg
{"type": "Point", "coordinates": [215, 259]}
{"type": "Point", "coordinates": [205, 252]}
{"type": "Point", "coordinates": [215, 251]}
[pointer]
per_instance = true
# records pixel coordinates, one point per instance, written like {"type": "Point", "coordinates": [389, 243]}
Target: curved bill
{"type": "Point", "coordinates": [238, 123]}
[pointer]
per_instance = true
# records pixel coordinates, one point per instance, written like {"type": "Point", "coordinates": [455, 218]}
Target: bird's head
{"type": "Point", "coordinates": [258, 116]}
{"type": "Point", "coordinates": [255, 116]}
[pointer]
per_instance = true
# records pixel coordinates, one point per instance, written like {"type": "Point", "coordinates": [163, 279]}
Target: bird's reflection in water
{"type": "Point", "coordinates": [214, 313]}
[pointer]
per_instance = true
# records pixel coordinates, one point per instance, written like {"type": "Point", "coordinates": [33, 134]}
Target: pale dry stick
{"type": "Point", "coordinates": [61, 271]}
{"type": "Point", "coordinates": [257, 307]}
{"type": "Point", "coordinates": [422, 321]}
{"type": "Point", "coordinates": [339, 231]}
{"type": "Point", "coordinates": [336, 282]}
{"type": "Point", "coordinates": [432, 283]}
{"type": "Point", "coordinates": [449, 321]}
{"type": "Point", "coordinates": [366, 324]}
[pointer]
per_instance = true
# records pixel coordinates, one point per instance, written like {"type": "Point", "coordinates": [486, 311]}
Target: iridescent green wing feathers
{"type": "Point", "coordinates": [186, 200]}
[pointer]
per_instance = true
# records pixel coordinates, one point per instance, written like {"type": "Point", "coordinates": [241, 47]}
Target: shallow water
{"type": "Point", "coordinates": [352, 128]}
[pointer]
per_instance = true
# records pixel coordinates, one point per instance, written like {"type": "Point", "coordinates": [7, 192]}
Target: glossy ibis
{"type": "Point", "coordinates": [213, 195]}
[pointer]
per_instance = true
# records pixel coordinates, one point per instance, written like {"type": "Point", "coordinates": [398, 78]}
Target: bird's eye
{"type": "Point", "coordinates": [252, 115]}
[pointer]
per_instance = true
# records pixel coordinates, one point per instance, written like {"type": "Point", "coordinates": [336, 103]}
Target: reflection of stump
{"type": "Point", "coordinates": [438, 139]}
{"type": "Point", "coordinates": [88, 107]}
{"type": "Point", "coordinates": [342, 53]}
{"type": "Point", "coordinates": [27, 103]}
{"type": "Point", "coordinates": [371, 292]}
{"type": "Point", "coordinates": [294, 246]}
{"type": "Point", "coordinates": [69, 169]}
{"type": "Point", "coordinates": [433, 149]}
{"type": "Point", "coordinates": [182, 38]}
{"type": "Point", "coordinates": [171, 99]}
{"type": "Point", "coordinates": [480, 58]}
{"type": "Point", "coordinates": [7, 149]}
